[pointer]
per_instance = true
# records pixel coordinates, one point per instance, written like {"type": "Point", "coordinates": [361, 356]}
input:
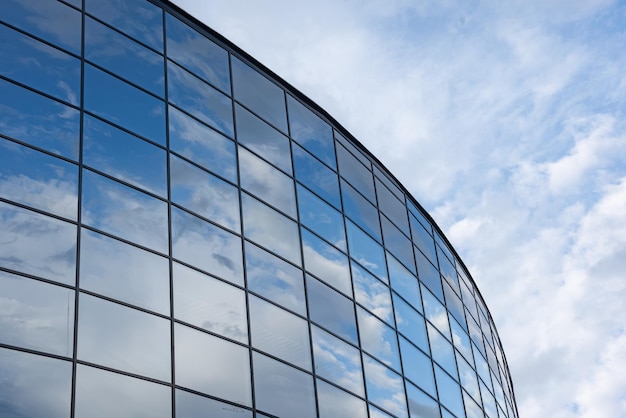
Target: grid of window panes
{"type": "Point", "coordinates": [181, 236]}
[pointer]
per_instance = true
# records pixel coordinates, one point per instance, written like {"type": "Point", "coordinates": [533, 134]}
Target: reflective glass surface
{"type": "Point", "coordinates": [397, 243]}
{"type": "Point", "coordinates": [423, 240]}
{"type": "Point", "coordinates": [405, 283]}
{"type": "Point", "coordinates": [331, 310]}
{"type": "Point", "coordinates": [429, 275]}
{"type": "Point", "coordinates": [320, 217]}
{"type": "Point", "coordinates": [366, 251]}
{"type": "Point", "coordinates": [392, 207]}
{"type": "Point", "coordinates": [310, 131]}
{"type": "Point", "coordinates": [191, 405]}
{"type": "Point", "coordinates": [420, 405]}
{"type": "Point", "coordinates": [326, 263]}
{"type": "Point", "coordinates": [384, 387]}
{"type": "Point", "coordinates": [356, 173]}
{"type": "Point", "coordinates": [372, 294]}
{"type": "Point", "coordinates": [378, 339]}
{"type": "Point", "coordinates": [360, 210]}
{"type": "Point", "coordinates": [316, 176]}
{"type": "Point", "coordinates": [449, 392]}
{"type": "Point", "coordinates": [335, 403]}
{"type": "Point", "coordinates": [417, 367]}
{"type": "Point", "coordinates": [411, 324]}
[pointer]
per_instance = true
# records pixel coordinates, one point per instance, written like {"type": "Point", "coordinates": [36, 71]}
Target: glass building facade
{"type": "Point", "coordinates": [184, 234]}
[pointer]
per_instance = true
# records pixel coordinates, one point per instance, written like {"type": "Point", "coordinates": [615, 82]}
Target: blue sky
{"type": "Point", "coordinates": [506, 121]}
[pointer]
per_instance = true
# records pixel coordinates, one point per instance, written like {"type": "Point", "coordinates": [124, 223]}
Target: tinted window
{"type": "Point", "coordinates": [310, 131]}
{"type": "Point", "coordinates": [316, 176]}
{"type": "Point", "coordinates": [331, 310]}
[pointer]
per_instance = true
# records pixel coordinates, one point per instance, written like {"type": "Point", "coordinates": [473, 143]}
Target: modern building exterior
{"type": "Point", "coordinates": [184, 234]}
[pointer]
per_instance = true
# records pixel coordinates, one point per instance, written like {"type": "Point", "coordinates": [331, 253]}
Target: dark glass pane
{"type": "Point", "coordinates": [34, 386]}
{"type": "Point", "coordinates": [326, 262]}
{"type": "Point", "coordinates": [282, 390]}
{"type": "Point", "coordinates": [263, 139]}
{"type": "Point", "coordinates": [331, 310]}
{"type": "Point", "coordinates": [429, 275]}
{"type": "Point", "coordinates": [124, 272]}
{"type": "Point", "coordinates": [202, 145]}
{"type": "Point", "coordinates": [38, 245]}
{"type": "Point", "coordinates": [124, 156]}
{"type": "Point", "coordinates": [392, 207]}
{"type": "Point", "coordinates": [197, 53]}
{"type": "Point", "coordinates": [189, 405]}
{"type": "Point", "coordinates": [316, 176]}
{"type": "Point", "coordinates": [420, 405]}
{"type": "Point", "coordinates": [356, 152]}
{"type": "Point", "coordinates": [38, 65]}
{"type": "Point", "coordinates": [449, 393]}
{"type": "Point", "coordinates": [200, 99]}
{"type": "Point", "coordinates": [36, 315]}
{"type": "Point", "coordinates": [335, 403]}
{"type": "Point", "coordinates": [123, 211]}
{"type": "Point", "coordinates": [356, 173]}
{"type": "Point", "coordinates": [321, 218]}
{"type": "Point", "coordinates": [362, 212]}
{"type": "Point", "coordinates": [50, 20]}
{"type": "Point", "coordinates": [212, 365]}
{"type": "Point", "coordinates": [398, 244]}
{"type": "Point", "coordinates": [122, 14]}
{"type": "Point", "coordinates": [378, 339]}
{"type": "Point", "coordinates": [442, 351]}
{"type": "Point", "coordinates": [206, 246]}
{"type": "Point", "coordinates": [418, 367]}
{"type": "Point", "coordinates": [36, 179]}
{"type": "Point", "coordinates": [124, 105]}
{"type": "Point", "coordinates": [259, 94]}
{"type": "Point", "coordinates": [104, 394]}
{"type": "Point", "coordinates": [205, 194]}
{"type": "Point", "coordinates": [372, 294]}
{"type": "Point", "coordinates": [366, 251]}
{"type": "Point", "coordinates": [39, 121]}
{"type": "Point", "coordinates": [124, 57]}
{"type": "Point", "coordinates": [392, 185]}
{"type": "Point", "coordinates": [411, 324]}
{"type": "Point", "coordinates": [123, 338]}
{"type": "Point", "coordinates": [310, 131]}
{"type": "Point", "coordinates": [209, 303]}
{"type": "Point", "coordinates": [384, 387]}
{"type": "Point", "coordinates": [275, 279]}
{"type": "Point", "coordinates": [405, 283]}
{"type": "Point", "coordinates": [423, 240]}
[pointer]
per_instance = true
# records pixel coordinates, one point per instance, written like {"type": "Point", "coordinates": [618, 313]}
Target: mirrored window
{"type": "Point", "coordinates": [38, 65]}
{"type": "Point", "coordinates": [482, 368]}
{"type": "Point", "coordinates": [202, 145]}
{"type": "Point", "coordinates": [337, 361]}
{"type": "Point", "coordinates": [357, 208]}
{"type": "Point", "coordinates": [442, 350]}
{"type": "Point", "coordinates": [203, 193]}
{"type": "Point", "coordinates": [468, 378]}
{"type": "Point", "coordinates": [122, 14]}
{"type": "Point", "coordinates": [449, 392]}
{"type": "Point", "coordinates": [34, 386]}
{"type": "Point", "coordinates": [123, 211]}
{"type": "Point", "coordinates": [435, 312]}
{"type": "Point", "coordinates": [454, 304]}
{"type": "Point", "coordinates": [428, 275]}
{"type": "Point", "coordinates": [442, 247]}
{"type": "Point", "coordinates": [282, 390]}
{"type": "Point", "coordinates": [335, 403]}
{"type": "Point", "coordinates": [469, 301]}
{"type": "Point", "coordinates": [213, 366]}
{"type": "Point", "coordinates": [418, 367]}
{"type": "Point", "coordinates": [36, 315]}
{"type": "Point", "coordinates": [421, 405]}
{"type": "Point", "coordinates": [38, 245]}
{"type": "Point", "coordinates": [331, 310]}
{"type": "Point", "coordinates": [122, 104]}
{"type": "Point", "coordinates": [366, 251]}
{"type": "Point", "coordinates": [449, 272]}
{"type": "Point", "coordinates": [36, 179]}
{"type": "Point", "coordinates": [356, 152]}
{"type": "Point", "coordinates": [192, 405]}
{"type": "Point", "coordinates": [259, 94]}
{"type": "Point", "coordinates": [326, 262]}
{"type": "Point", "coordinates": [476, 335]}
{"type": "Point", "coordinates": [124, 156]}
{"type": "Point", "coordinates": [405, 283]}
{"type": "Point", "coordinates": [489, 403]}
{"type": "Point", "coordinates": [321, 218]}
{"type": "Point", "coordinates": [383, 177]}
{"type": "Point", "coordinates": [356, 173]}
{"type": "Point", "coordinates": [123, 338]}
{"type": "Point", "coordinates": [410, 323]}
{"type": "Point", "coordinates": [472, 410]}
{"type": "Point", "coordinates": [384, 387]}
{"type": "Point", "coordinates": [107, 394]}
{"type": "Point", "coordinates": [263, 139]}
{"type": "Point", "coordinates": [460, 339]}
{"type": "Point", "coordinates": [419, 216]}
{"type": "Point", "coordinates": [206, 246]}
{"type": "Point", "coordinates": [378, 339]}
{"type": "Point", "coordinates": [316, 176]}
{"type": "Point", "coordinates": [124, 272]}
{"type": "Point", "coordinates": [392, 207]}
{"type": "Point", "coordinates": [398, 243]}
{"type": "Point", "coordinates": [209, 303]}
{"type": "Point", "coordinates": [39, 121]}
{"type": "Point", "coordinates": [197, 53]}
{"type": "Point", "coordinates": [310, 131]}
{"type": "Point", "coordinates": [423, 240]}
{"type": "Point", "coordinates": [372, 294]}
{"type": "Point", "coordinates": [377, 413]}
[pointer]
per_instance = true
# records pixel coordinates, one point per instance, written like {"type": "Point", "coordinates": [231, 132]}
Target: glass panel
{"type": "Point", "coordinates": [482, 368]}
{"type": "Point", "coordinates": [259, 94]}
{"type": "Point", "coordinates": [335, 403]}
{"type": "Point", "coordinates": [325, 262]}
{"type": "Point", "coordinates": [36, 315]}
{"type": "Point", "coordinates": [205, 194]}
{"type": "Point", "coordinates": [418, 367]}
{"type": "Point", "coordinates": [310, 131]}
{"type": "Point", "coordinates": [37, 120]}
{"type": "Point", "coordinates": [442, 350]}
{"type": "Point", "coordinates": [469, 301]}
{"type": "Point", "coordinates": [104, 394]}
{"type": "Point", "coordinates": [435, 312]}
{"type": "Point", "coordinates": [271, 229]}
{"type": "Point", "coordinates": [472, 410]}
{"type": "Point", "coordinates": [423, 240]}
{"type": "Point", "coordinates": [356, 173]}
{"type": "Point", "coordinates": [279, 333]}
{"type": "Point", "coordinates": [212, 365]}
{"type": "Point", "coordinates": [282, 390]}
{"type": "Point", "coordinates": [411, 324]}
{"type": "Point", "coordinates": [460, 339]}
{"type": "Point", "coordinates": [420, 405]}
{"type": "Point", "coordinates": [337, 361]}
{"type": "Point", "coordinates": [449, 393]}
{"type": "Point", "coordinates": [378, 339]}
{"type": "Point", "coordinates": [34, 386]}
{"type": "Point", "coordinates": [377, 413]}
{"type": "Point", "coordinates": [356, 152]}
{"type": "Point", "coordinates": [419, 216]}
{"type": "Point", "coordinates": [321, 218]}
{"type": "Point", "coordinates": [366, 251]}
{"type": "Point", "coordinates": [124, 105]}
{"type": "Point", "coordinates": [38, 245]}
{"type": "Point", "coordinates": [38, 65]}
{"type": "Point", "coordinates": [275, 279]}
{"type": "Point", "coordinates": [384, 177]}
{"type": "Point", "coordinates": [372, 294]}
{"type": "Point", "coordinates": [119, 54]}
{"type": "Point", "coordinates": [360, 210]}
{"type": "Point", "coordinates": [122, 14]}
{"type": "Point", "coordinates": [124, 156]}
{"type": "Point", "coordinates": [392, 207]}
{"type": "Point", "coordinates": [476, 335]}
{"type": "Point", "coordinates": [198, 54]}
{"type": "Point", "coordinates": [124, 272]}
{"type": "Point", "coordinates": [384, 387]}
{"type": "Point", "coordinates": [267, 182]}
{"type": "Point", "coordinates": [331, 310]}
{"type": "Point", "coordinates": [263, 139]}
{"type": "Point", "coordinates": [50, 20]}
{"type": "Point", "coordinates": [398, 244]}
{"type": "Point", "coordinates": [449, 272]}
{"type": "Point", "coordinates": [123, 211]}
{"type": "Point", "coordinates": [454, 305]}
{"type": "Point", "coordinates": [206, 246]}
{"type": "Point", "coordinates": [405, 283]}
{"type": "Point", "coordinates": [489, 402]}
{"type": "Point", "coordinates": [123, 338]}
{"type": "Point", "coordinates": [429, 275]}
{"type": "Point", "coordinates": [199, 99]}
{"type": "Point", "coordinates": [193, 406]}
{"type": "Point", "coordinates": [316, 176]}
{"type": "Point", "coordinates": [33, 178]}
{"type": "Point", "coordinates": [442, 247]}
{"type": "Point", "coordinates": [468, 378]}
{"type": "Point", "coordinates": [202, 145]}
